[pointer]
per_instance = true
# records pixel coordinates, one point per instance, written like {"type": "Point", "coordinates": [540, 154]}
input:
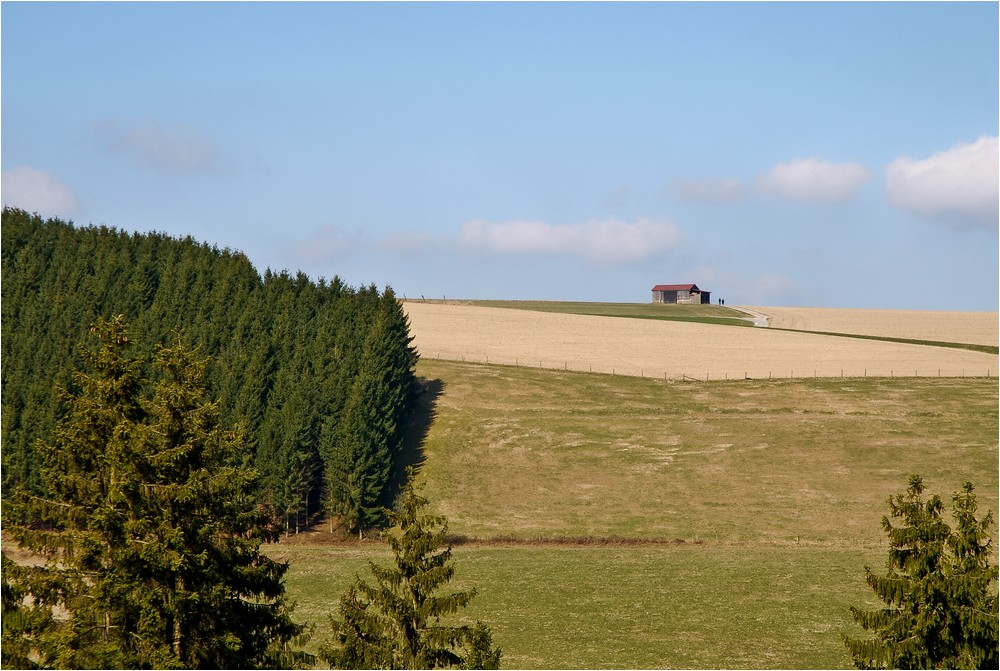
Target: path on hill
{"type": "Point", "coordinates": [673, 350]}
{"type": "Point", "coordinates": [759, 318]}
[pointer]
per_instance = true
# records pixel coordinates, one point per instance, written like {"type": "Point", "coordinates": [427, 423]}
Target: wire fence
{"type": "Point", "coordinates": [716, 375]}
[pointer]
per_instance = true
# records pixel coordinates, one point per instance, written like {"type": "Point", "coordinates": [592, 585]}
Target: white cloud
{"type": "Point", "coordinates": [605, 242]}
{"type": "Point", "coordinates": [712, 190]}
{"type": "Point", "coordinates": [37, 191]}
{"type": "Point", "coordinates": [958, 187]}
{"type": "Point", "coordinates": [813, 179]}
{"type": "Point", "coordinates": [174, 148]}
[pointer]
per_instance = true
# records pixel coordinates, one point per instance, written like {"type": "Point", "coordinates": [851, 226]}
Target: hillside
{"type": "Point", "coordinates": [619, 522]}
{"type": "Point", "coordinates": [980, 328]}
{"type": "Point", "coordinates": [672, 349]}
{"type": "Point", "coordinates": [539, 453]}
{"type": "Point", "coordinates": [734, 517]}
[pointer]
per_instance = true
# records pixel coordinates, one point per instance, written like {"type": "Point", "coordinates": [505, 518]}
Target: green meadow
{"type": "Point", "coordinates": [696, 606]}
{"type": "Point", "coordinates": [618, 522]}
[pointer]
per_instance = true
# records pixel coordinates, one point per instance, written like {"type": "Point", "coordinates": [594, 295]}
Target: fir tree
{"type": "Point", "coordinates": [28, 623]}
{"type": "Point", "coordinates": [285, 352]}
{"type": "Point", "coordinates": [396, 622]}
{"type": "Point", "coordinates": [151, 532]}
{"type": "Point", "coordinates": [972, 585]}
{"type": "Point", "coordinates": [369, 433]}
{"type": "Point", "coordinates": [940, 590]}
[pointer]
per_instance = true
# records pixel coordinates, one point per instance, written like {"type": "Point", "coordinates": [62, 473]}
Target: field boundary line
{"type": "Point", "coordinates": [746, 374]}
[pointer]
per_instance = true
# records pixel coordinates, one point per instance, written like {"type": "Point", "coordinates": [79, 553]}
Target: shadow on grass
{"type": "Point", "coordinates": [420, 422]}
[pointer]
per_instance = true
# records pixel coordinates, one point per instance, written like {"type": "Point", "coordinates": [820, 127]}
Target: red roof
{"type": "Point", "coordinates": [676, 287]}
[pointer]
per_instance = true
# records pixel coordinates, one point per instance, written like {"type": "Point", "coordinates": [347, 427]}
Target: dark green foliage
{"type": "Point", "coordinates": [940, 590]}
{"type": "Point", "coordinates": [27, 626]}
{"type": "Point", "coordinates": [285, 351]}
{"type": "Point", "coordinates": [149, 528]}
{"type": "Point", "coordinates": [363, 448]}
{"type": "Point", "coordinates": [395, 622]}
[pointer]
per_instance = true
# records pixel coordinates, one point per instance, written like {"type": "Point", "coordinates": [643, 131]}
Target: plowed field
{"type": "Point", "coordinates": [678, 350]}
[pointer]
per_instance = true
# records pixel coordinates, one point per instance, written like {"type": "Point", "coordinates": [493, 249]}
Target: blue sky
{"type": "Point", "coordinates": [823, 154]}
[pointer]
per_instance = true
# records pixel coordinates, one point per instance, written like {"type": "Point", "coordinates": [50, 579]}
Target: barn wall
{"type": "Point", "coordinates": [683, 296]}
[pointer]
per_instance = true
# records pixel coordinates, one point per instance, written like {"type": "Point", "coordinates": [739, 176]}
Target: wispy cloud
{"type": "Point", "coordinates": [711, 190]}
{"type": "Point", "coordinates": [37, 191]}
{"type": "Point", "coordinates": [957, 187]}
{"type": "Point", "coordinates": [814, 179]}
{"type": "Point", "coordinates": [737, 288]}
{"type": "Point", "coordinates": [174, 148]}
{"type": "Point", "coordinates": [326, 243]}
{"type": "Point", "coordinates": [606, 242]}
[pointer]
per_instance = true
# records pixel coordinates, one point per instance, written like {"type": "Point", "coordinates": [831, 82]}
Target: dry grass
{"type": "Point", "coordinates": [777, 489]}
{"type": "Point", "coordinates": [650, 348]}
{"type": "Point", "coordinates": [980, 328]}
{"type": "Point", "coordinates": [532, 453]}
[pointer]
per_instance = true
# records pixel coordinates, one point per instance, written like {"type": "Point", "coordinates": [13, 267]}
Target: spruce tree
{"type": "Point", "coordinates": [285, 352]}
{"type": "Point", "coordinates": [395, 622]}
{"type": "Point", "coordinates": [972, 584]}
{"type": "Point", "coordinates": [150, 530]}
{"type": "Point", "coordinates": [940, 590]}
{"type": "Point", "coordinates": [368, 436]}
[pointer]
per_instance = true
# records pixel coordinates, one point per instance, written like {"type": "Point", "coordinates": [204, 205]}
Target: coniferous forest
{"type": "Point", "coordinates": [318, 374]}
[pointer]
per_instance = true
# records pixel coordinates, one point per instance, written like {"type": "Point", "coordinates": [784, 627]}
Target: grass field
{"type": "Point", "coordinates": [693, 606]}
{"type": "Point", "coordinates": [547, 453]}
{"type": "Point", "coordinates": [759, 503]}
{"type": "Point", "coordinates": [702, 314]}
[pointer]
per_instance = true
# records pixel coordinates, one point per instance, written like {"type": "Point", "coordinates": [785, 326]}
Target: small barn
{"type": "Point", "coordinates": [681, 293]}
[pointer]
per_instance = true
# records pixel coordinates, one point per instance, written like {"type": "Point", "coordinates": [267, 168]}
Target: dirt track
{"type": "Point", "coordinates": [673, 349]}
{"type": "Point", "coordinates": [980, 328]}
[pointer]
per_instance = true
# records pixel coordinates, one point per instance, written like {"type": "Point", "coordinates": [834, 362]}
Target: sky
{"type": "Point", "coordinates": [784, 154]}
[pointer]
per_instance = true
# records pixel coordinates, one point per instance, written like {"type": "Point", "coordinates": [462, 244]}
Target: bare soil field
{"type": "Point", "coordinates": [978, 328]}
{"type": "Point", "coordinates": [677, 350]}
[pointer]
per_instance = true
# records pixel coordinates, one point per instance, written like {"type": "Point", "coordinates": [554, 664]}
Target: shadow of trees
{"type": "Point", "coordinates": [419, 425]}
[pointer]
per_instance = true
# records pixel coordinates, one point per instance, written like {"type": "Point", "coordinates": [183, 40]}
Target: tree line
{"type": "Point", "coordinates": [319, 374]}
{"type": "Point", "coordinates": [146, 542]}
